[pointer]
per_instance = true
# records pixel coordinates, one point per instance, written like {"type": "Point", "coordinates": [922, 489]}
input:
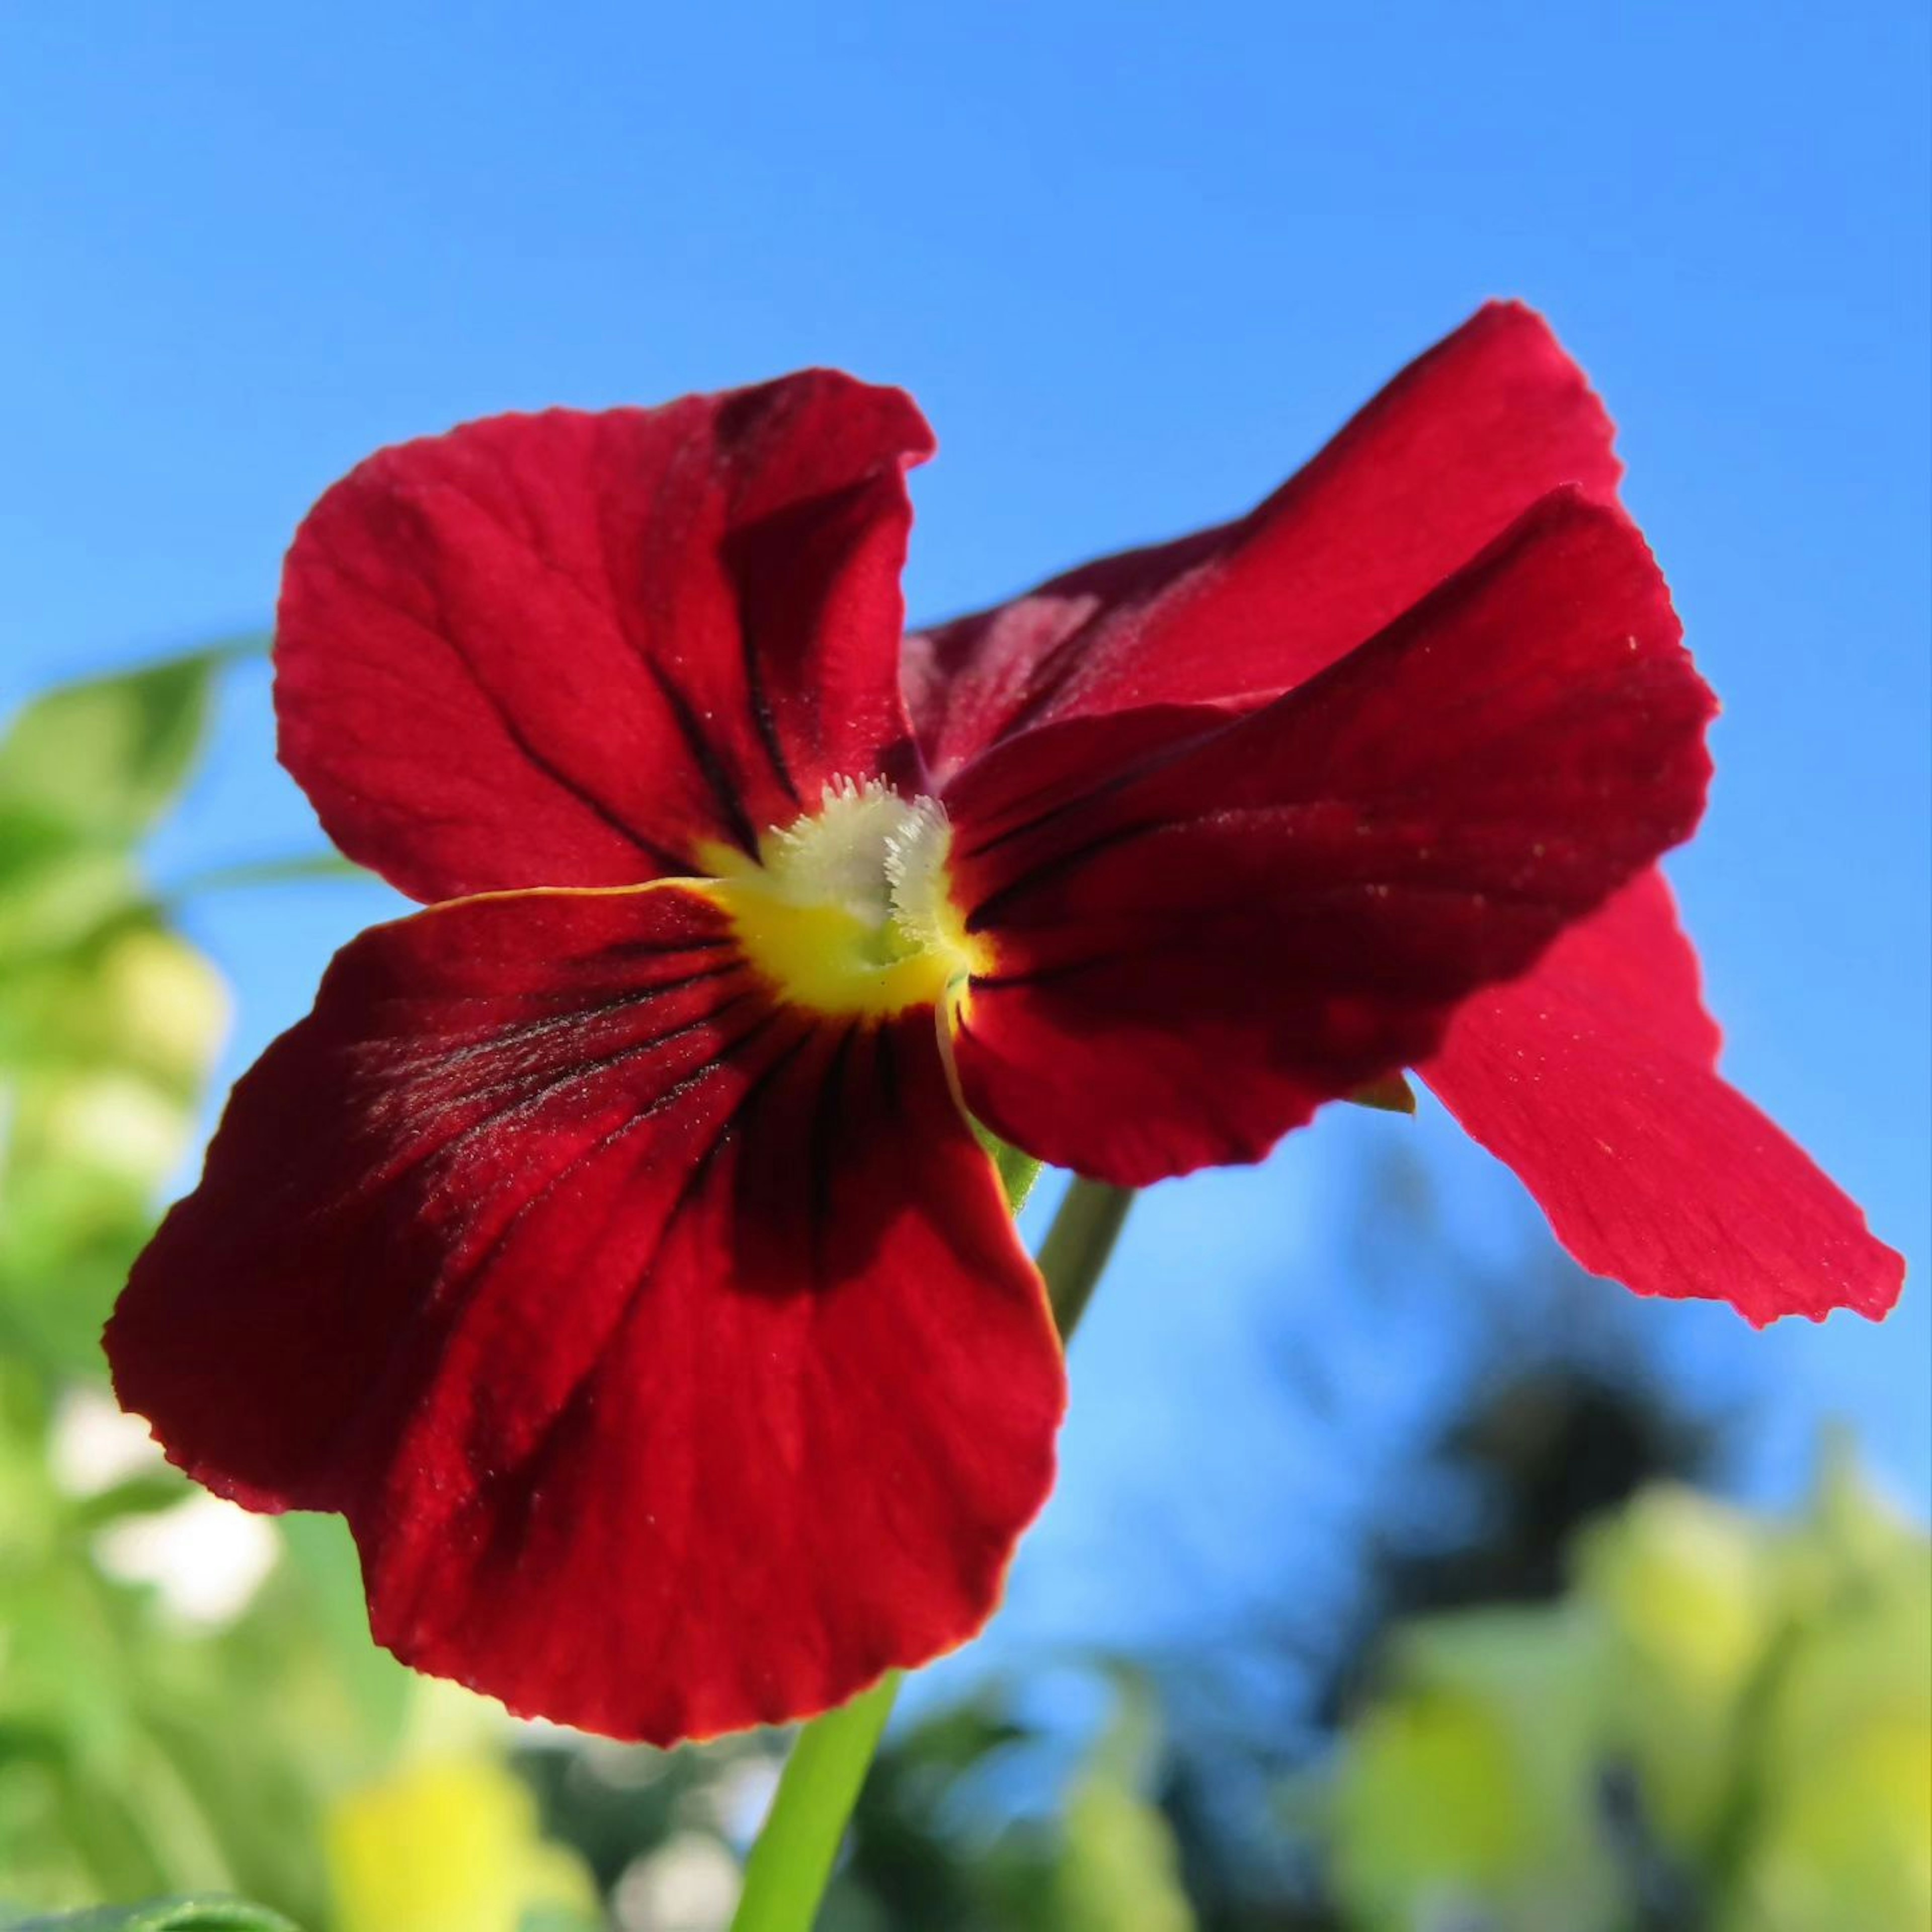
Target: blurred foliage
{"type": "Point", "coordinates": [1726, 1723]}
{"type": "Point", "coordinates": [1543, 1682]}
{"type": "Point", "coordinates": [109, 1022]}
{"type": "Point", "coordinates": [161, 1914]}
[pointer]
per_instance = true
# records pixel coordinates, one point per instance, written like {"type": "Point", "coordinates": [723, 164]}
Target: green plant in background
{"type": "Point", "coordinates": [110, 1021]}
{"type": "Point", "coordinates": [1118, 1864]}
{"type": "Point", "coordinates": [165, 1914]}
{"type": "Point", "coordinates": [141, 1755]}
{"type": "Point", "coordinates": [1725, 1726]}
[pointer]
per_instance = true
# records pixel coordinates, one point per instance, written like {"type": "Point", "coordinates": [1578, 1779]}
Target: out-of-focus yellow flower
{"type": "Point", "coordinates": [447, 1845]}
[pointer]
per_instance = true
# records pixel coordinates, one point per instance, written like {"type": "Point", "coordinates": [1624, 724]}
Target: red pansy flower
{"type": "Point", "coordinates": [611, 1246]}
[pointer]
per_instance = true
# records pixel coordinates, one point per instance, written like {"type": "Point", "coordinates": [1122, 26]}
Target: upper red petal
{"type": "Point", "coordinates": [1594, 1077]}
{"type": "Point", "coordinates": [567, 649]}
{"type": "Point", "coordinates": [1455, 447]}
{"type": "Point", "coordinates": [1202, 929]}
{"type": "Point", "coordinates": [672, 1355]}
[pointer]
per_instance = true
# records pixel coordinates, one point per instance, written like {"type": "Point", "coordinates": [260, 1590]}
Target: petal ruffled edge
{"type": "Point", "coordinates": [672, 1355]}
{"type": "Point", "coordinates": [1594, 1077]}
{"type": "Point", "coordinates": [1438, 464]}
{"type": "Point", "coordinates": [575, 649]}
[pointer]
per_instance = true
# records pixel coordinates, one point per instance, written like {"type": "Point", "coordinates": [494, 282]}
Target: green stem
{"type": "Point", "coordinates": [791, 1863]}
{"type": "Point", "coordinates": [1077, 1247]}
{"type": "Point", "coordinates": [246, 873]}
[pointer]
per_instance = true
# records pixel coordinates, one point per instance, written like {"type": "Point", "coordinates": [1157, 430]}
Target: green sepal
{"type": "Point", "coordinates": [1390, 1094]}
{"type": "Point", "coordinates": [1017, 1171]}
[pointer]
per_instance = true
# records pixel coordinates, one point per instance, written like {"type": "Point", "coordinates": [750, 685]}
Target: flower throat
{"type": "Point", "coordinates": [849, 909]}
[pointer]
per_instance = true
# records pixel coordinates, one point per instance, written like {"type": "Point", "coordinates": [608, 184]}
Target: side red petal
{"type": "Point", "coordinates": [1201, 929]}
{"type": "Point", "coordinates": [1594, 1077]}
{"type": "Point", "coordinates": [672, 1356]}
{"type": "Point", "coordinates": [566, 649]}
{"type": "Point", "coordinates": [1441, 463]}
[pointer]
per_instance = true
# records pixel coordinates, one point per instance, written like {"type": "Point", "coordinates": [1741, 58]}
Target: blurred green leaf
{"type": "Point", "coordinates": [1121, 1870]}
{"type": "Point", "coordinates": [145, 1494]}
{"type": "Point", "coordinates": [54, 893]}
{"type": "Point", "coordinates": [1727, 1723]}
{"type": "Point", "coordinates": [99, 761]}
{"type": "Point", "coordinates": [558, 1918]}
{"type": "Point", "coordinates": [161, 1914]}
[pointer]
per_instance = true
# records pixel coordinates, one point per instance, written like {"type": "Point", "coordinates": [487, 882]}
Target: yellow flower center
{"type": "Point", "coordinates": [849, 909]}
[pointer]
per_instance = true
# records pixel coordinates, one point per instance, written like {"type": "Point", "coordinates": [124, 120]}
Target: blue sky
{"type": "Point", "coordinates": [1135, 261]}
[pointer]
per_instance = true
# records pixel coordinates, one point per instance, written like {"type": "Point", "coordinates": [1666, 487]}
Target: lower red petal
{"type": "Point", "coordinates": [1595, 1078]}
{"type": "Point", "coordinates": [1203, 929]}
{"type": "Point", "coordinates": [672, 1355]}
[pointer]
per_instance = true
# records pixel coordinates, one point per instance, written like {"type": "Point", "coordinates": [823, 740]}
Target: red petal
{"type": "Point", "coordinates": [673, 1358]}
{"type": "Point", "coordinates": [1200, 934]}
{"type": "Point", "coordinates": [1594, 1077]}
{"type": "Point", "coordinates": [566, 649]}
{"type": "Point", "coordinates": [1441, 462]}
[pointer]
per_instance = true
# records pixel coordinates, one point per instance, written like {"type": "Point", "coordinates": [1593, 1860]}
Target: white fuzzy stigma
{"type": "Point", "coordinates": [879, 855]}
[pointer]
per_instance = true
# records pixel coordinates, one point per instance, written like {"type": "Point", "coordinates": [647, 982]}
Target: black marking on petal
{"type": "Point", "coordinates": [1156, 759]}
{"type": "Point", "coordinates": [823, 1159]}
{"type": "Point", "coordinates": [1030, 878]}
{"type": "Point", "coordinates": [886, 1060]}
{"type": "Point", "coordinates": [717, 774]}
{"type": "Point", "coordinates": [659, 949]}
{"type": "Point", "coordinates": [444, 634]}
{"type": "Point", "coordinates": [526, 1099]}
{"type": "Point", "coordinates": [765, 721]}
{"type": "Point", "coordinates": [501, 1525]}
